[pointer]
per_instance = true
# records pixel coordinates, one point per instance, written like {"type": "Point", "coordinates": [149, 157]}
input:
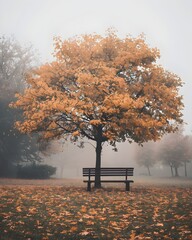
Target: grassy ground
{"type": "Point", "coordinates": [63, 209]}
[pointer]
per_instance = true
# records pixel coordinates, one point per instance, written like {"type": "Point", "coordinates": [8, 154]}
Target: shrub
{"type": "Point", "coordinates": [34, 171]}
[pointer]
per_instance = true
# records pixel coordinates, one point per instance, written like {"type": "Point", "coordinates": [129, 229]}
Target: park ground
{"type": "Point", "coordinates": [59, 209]}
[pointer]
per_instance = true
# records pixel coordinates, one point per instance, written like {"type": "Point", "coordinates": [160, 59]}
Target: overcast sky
{"type": "Point", "coordinates": [166, 24]}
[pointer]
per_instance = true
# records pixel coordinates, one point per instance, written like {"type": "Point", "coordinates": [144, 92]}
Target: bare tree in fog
{"type": "Point", "coordinates": [15, 147]}
{"type": "Point", "coordinates": [146, 156]}
{"type": "Point", "coordinates": [187, 151]}
{"type": "Point", "coordinates": [175, 151]}
{"type": "Point", "coordinates": [104, 89]}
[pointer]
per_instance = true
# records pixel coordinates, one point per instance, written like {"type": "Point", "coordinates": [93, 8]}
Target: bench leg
{"type": "Point", "coordinates": [127, 188]}
{"type": "Point", "coordinates": [89, 186]}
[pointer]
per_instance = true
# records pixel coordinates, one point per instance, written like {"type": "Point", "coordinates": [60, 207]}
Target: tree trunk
{"type": "Point", "coordinates": [171, 170]}
{"type": "Point", "coordinates": [61, 174]}
{"type": "Point", "coordinates": [98, 165]}
{"type": "Point", "coordinates": [176, 172]}
{"type": "Point", "coordinates": [185, 164]}
{"type": "Point", "coordinates": [149, 173]}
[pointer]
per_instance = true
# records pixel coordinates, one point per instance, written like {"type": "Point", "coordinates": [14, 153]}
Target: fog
{"type": "Point", "coordinates": [70, 160]}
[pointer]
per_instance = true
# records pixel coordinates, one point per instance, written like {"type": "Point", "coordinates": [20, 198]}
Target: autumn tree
{"type": "Point", "coordinates": [105, 89]}
{"type": "Point", "coordinates": [15, 147]}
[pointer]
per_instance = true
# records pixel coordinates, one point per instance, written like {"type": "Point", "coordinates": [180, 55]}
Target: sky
{"type": "Point", "coordinates": [165, 23]}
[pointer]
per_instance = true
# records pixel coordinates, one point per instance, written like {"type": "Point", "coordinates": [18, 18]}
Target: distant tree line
{"type": "Point", "coordinates": [174, 150]}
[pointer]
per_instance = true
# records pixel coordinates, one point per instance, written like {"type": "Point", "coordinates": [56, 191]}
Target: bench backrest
{"type": "Point", "coordinates": [108, 172]}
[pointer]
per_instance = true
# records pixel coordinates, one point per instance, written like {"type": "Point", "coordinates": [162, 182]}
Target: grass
{"type": "Point", "coordinates": [55, 212]}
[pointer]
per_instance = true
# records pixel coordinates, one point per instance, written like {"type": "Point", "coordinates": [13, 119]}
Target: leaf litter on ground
{"type": "Point", "coordinates": [39, 212]}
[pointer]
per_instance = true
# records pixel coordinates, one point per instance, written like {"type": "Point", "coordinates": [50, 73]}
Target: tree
{"type": "Point", "coordinates": [145, 156]}
{"type": "Point", "coordinates": [105, 89]}
{"type": "Point", "coordinates": [175, 151]}
{"type": "Point", "coordinates": [15, 147]}
{"type": "Point", "coordinates": [187, 151]}
{"type": "Point", "coordinates": [15, 61]}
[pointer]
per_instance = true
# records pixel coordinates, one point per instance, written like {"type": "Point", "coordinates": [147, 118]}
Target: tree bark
{"type": "Point", "coordinates": [98, 165]}
{"type": "Point", "coordinates": [149, 173]}
{"type": "Point", "coordinates": [185, 164]}
{"type": "Point", "coordinates": [98, 157]}
{"type": "Point", "coordinates": [171, 169]}
{"type": "Point", "coordinates": [176, 172]}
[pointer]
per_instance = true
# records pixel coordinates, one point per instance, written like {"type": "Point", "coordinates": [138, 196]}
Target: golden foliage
{"type": "Point", "coordinates": [103, 83]}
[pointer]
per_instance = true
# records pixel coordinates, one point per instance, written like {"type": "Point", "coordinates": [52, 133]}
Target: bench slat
{"type": "Point", "coordinates": [118, 181]}
{"type": "Point", "coordinates": [108, 175]}
{"type": "Point", "coordinates": [107, 168]}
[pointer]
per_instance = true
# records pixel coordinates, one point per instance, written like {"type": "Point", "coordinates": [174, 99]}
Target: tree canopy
{"type": "Point", "coordinates": [106, 89]}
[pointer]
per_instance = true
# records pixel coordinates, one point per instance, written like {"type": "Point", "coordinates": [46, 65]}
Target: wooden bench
{"type": "Point", "coordinates": [109, 172]}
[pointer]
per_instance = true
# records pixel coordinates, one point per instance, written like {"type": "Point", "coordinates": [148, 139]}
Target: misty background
{"type": "Point", "coordinates": [166, 25]}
